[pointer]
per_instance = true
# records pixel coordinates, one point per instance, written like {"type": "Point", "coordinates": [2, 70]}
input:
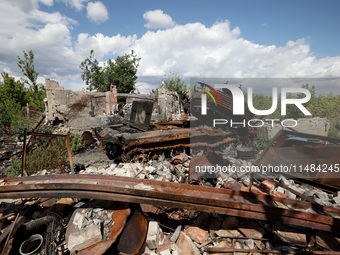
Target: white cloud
{"type": "Point", "coordinates": [191, 49]}
{"type": "Point", "coordinates": [77, 4]}
{"type": "Point", "coordinates": [97, 12]}
{"type": "Point", "coordinates": [220, 51]}
{"type": "Point", "coordinates": [103, 45]}
{"type": "Point", "coordinates": [47, 2]}
{"type": "Point", "coordinates": [158, 19]}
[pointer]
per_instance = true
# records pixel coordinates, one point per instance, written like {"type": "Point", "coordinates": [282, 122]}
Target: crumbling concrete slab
{"type": "Point", "coordinates": [84, 238]}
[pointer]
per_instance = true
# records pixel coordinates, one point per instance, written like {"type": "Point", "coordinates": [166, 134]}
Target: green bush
{"type": "Point", "coordinates": [76, 143]}
{"type": "Point", "coordinates": [50, 153]}
{"type": "Point", "coordinates": [261, 141]}
{"type": "Point", "coordinates": [333, 132]}
{"type": "Point", "coordinates": [15, 167]}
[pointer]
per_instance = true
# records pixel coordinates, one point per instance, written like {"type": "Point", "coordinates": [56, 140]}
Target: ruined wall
{"type": "Point", "coordinates": [168, 103]}
{"type": "Point", "coordinates": [78, 109]}
{"type": "Point", "coordinates": [85, 110]}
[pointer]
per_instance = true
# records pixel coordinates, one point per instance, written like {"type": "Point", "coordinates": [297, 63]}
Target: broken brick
{"type": "Point", "coordinates": [252, 230]}
{"type": "Point", "coordinates": [289, 235]}
{"type": "Point", "coordinates": [197, 234]}
{"type": "Point", "coordinates": [186, 245]}
{"type": "Point", "coordinates": [267, 186]}
{"type": "Point", "coordinates": [228, 233]}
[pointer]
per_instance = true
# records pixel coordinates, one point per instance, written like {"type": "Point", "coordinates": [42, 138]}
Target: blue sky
{"type": "Point", "coordinates": [243, 38]}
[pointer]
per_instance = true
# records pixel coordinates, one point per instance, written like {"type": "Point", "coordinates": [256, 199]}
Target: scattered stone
{"type": "Point", "coordinates": [290, 194]}
{"type": "Point", "coordinates": [279, 194]}
{"type": "Point", "coordinates": [186, 245]}
{"type": "Point", "coordinates": [252, 230]}
{"type": "Point", "coordinates": [337, 199]}
{"type": "Point", "coordinates": [143, 186]}
{"type": "Point", "coordinates": [228, 233]}
{"type": "Point", "coordinates": [250, 243]}
{"type": "Point", "coordinates": [267, 186]}
{"type": "Point", "coordinates": [175, 236]}
{"type": "Point", "coordinates": [322, 195]}
{"type": "Point", "coordinates": [84, 238]}
{"type": "Point", "coordinates": [327, 241]}
{"type": "Point", "coordinates": [154, 236]}
{"type": "Point", "coordinates": [197, 234]}
{"type": "Point", "coordinates": [179, 159]}
{"type": "Point", "coordinates": [164, 248]}
{"type": "Point", "coordinates": [224, 244]}
{"type": "Point", "coordinates": [289, 235]}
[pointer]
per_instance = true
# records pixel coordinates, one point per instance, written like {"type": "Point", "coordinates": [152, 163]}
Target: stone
{"type": "Point", "coordinates": [197, 234]}
{"type": "Point", "coordinates": [179, 159]}
{"type": "Point", "coordinates": [224, 244]}
{"type": "Point", "coordinates": [279, 194]}
{"type": "Point", "coordinates": [230, 223]}
{"type": "Point", "coordinates": [175, 235]}
{"type": "Point", "coordinates": [322, 195]}
{"type": "Point", "coordinates": [164, 248]}
{"type": "Point", "coordinates": [327, 241]}
{"type": "Point", "coordinates": [84, 238]}
{"type": "Point", "coordinates": [176, 250]}
{"type": "Point", "coordinates": [186, 245]}
{"type": "Point", "coordinates": [280, 189]}
{"type": "Point", "coordinates": [252, 230]}
{"type": "Point", "coordinates": [267, 186]}
{"type": "Point", "coordinates": [289, 235]}
{"type": "Point", "coordinates": [154, 235]}
{"type": "Point", "coordinates": [250, 243]}
{"type": "Point", "coordinates": [256, 190]}
{"type": "Point", "coordinates": [228, 233]}
{"type": "Point", "coordinates": [238, 245]}
{"type": "Point", "coordinates": [290, 194]}
{"type": "Point", "coordinates": [337, 199]}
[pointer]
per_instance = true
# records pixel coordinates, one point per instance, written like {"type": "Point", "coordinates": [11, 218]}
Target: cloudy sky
{"type": "Point", "coordinates": [226, 38]}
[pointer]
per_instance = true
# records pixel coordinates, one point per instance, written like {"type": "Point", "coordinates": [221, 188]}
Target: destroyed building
{"type": "Point", "coordinates": [138, 191]}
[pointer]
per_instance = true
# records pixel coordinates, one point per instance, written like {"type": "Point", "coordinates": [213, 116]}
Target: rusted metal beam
{"type": "Point", "coordinates": [228, 250]}
{"type": "Point", "coordinates": [24, 148]}
{"type": "Point", "coordinates": [38, 122]}
{"type": "Point", "coordinates": [174, 195]}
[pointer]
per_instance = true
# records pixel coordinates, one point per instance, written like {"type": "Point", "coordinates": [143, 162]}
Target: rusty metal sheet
{"type": "Point", "coordinates": [121, 211]}
{"type": "Point", "coordinates": [133, 236]}
{"type": "Point", "coordinates": [297, 155]}
{"type": "Point", "coordinates": [174, 195]}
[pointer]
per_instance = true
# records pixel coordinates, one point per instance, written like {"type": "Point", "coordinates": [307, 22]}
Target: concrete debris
{"type": "Point", "coordinates": [121, 142]}
{"type": "Point", "coordinates": [186, 245]}
{"type": "Point", "coordinates": [84, 238]}
{"type": "Point", "coordinates": [154, 236]}
{"type": "Point", "coordinates": [95, 216]}
{"type": "Point", "coordinates": [197, 234]}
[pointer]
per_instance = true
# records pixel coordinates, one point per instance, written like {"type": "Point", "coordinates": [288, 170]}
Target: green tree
{"type": "Point", "coordinates": [173, 82]}
{"type": "Point", "coordinates": [35, 93]}
{"type": "Point", "coordinates": [121, 72]}
{"type": "Point", "coordinates": [27, 67]}
{"type": "Point", "coordinates": [12, 98]}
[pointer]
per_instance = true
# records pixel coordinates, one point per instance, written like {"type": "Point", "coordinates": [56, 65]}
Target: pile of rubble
{"type": "Point", "coordinates": [136, 188]}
